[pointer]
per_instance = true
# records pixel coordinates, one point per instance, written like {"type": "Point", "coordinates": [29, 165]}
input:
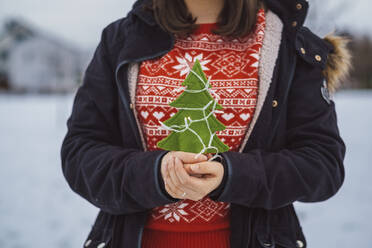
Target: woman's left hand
{"type": "Point", "coordinates": [179, 179]}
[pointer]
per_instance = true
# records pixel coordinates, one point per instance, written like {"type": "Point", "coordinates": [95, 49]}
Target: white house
{"type": "Point", "coordinates": [33, 61]}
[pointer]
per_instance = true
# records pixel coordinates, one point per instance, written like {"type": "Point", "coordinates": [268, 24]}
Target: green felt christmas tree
{"type": "Point", "coordinates": [194, 125]}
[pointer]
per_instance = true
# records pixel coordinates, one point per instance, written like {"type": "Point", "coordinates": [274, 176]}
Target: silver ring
{"type": "Point", "coordinates": [184, 193]}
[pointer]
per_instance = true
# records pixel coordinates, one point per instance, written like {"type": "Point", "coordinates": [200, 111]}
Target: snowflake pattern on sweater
{"type": "Point", "coordinates": [232, 65]}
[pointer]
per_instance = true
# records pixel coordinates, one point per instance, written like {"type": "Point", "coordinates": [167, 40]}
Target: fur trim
{"type": "Point", "coordinates": [338, 63]}
{"type": "Point", "coordinates": [268, 57]}
{"type": "Point", "coordinates": [133, 70]}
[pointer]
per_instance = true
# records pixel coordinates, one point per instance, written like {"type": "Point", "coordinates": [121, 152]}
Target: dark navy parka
{"type": "Point", "coordinates": [294, 153]}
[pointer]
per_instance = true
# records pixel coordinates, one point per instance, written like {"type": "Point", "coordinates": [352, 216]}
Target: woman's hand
{"type": "Point", "coordinates": [176, 170]}
{"type": "Point", "coordinates": [211, 174]}
{"type": "Point", "coordinates": [185, 157]}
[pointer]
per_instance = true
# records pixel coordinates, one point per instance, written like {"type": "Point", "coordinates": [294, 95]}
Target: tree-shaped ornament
{"type": "Point", "coordinates": [194, 126]}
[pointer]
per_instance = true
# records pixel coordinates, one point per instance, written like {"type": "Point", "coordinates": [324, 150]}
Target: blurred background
{"type": "Point", "coordinates": [45, 47]}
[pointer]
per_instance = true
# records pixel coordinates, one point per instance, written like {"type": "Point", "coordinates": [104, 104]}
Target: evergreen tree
{"type": "Point", "coordinates": [194, 125]}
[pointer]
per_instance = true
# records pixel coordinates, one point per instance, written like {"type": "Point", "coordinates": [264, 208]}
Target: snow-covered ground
{"type": "Point", "coordinates": [38, 209]}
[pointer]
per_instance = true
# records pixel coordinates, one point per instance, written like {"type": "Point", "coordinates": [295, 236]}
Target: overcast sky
{"type": "Point", "coordinates": [81, 21]}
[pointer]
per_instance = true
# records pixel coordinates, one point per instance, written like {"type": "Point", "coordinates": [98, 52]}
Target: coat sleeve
{"type": "Point", "coordinates": [309, 168]}
{"type": "Point", "coordinates": [96, 166]}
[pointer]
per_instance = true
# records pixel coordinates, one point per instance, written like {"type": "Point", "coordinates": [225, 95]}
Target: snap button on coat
{"type": "Point", "coordinates": [88, 242]}
{"type": "Point", "coordinates": [299, 244]}
{"type": "Point", "coordinates": [101, 245]}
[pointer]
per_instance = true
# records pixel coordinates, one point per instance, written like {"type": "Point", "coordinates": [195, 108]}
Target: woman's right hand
{"type": "Point", "coordinates": [184, 158]}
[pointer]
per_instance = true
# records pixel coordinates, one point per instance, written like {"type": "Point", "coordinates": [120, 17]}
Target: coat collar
{"type": "Point", "coordinates": [145, 15]}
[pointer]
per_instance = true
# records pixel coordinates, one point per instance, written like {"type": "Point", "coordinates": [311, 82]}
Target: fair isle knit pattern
{"type": "Point", "coordinates": [232, 65]}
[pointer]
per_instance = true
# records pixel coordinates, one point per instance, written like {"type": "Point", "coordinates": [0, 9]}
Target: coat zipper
{"type": "Point", "coordinates": [123, 99]}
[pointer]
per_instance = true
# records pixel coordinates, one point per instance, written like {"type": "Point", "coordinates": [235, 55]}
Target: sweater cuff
{"type": "Point", "coordinates": [215, 194]}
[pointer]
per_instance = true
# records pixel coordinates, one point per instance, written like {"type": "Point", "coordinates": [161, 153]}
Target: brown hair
{"type": "Point", "coordinates": [237, 18]}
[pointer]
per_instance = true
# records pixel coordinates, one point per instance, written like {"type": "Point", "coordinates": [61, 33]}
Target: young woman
{"type": "Point", "coordinates": [274, 79]}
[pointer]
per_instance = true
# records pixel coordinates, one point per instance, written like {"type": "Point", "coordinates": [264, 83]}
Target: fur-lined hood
{"type": "Point", "coordinates": [338, 62]}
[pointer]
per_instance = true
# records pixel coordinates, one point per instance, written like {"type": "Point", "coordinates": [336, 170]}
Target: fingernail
{"type": "Point", "coordinates": [194, 167]}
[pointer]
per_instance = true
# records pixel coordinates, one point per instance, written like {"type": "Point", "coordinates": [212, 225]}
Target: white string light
{"type": "Point", "coordinates": [189, 121]}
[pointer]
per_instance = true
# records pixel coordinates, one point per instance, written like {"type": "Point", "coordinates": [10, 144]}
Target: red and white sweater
{"type": "Point", "coordinates": [233, 67]}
